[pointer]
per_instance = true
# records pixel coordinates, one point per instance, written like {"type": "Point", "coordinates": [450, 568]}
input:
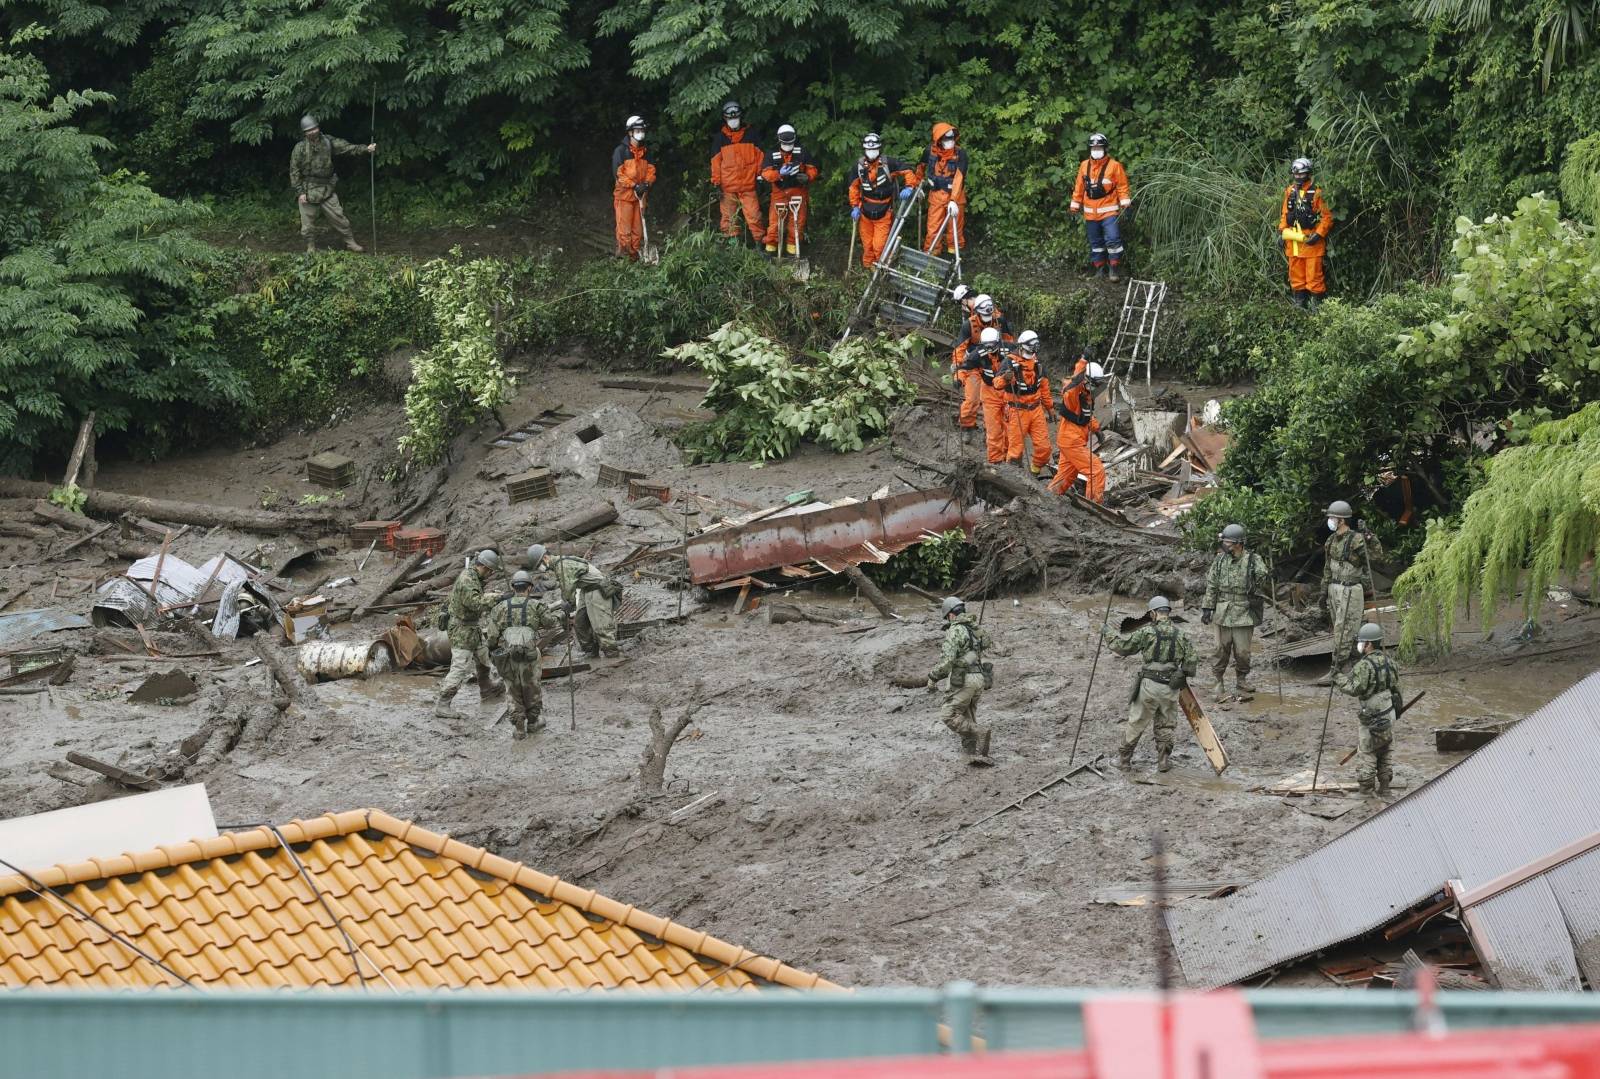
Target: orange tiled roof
{"type": "Point", "coordinates": [421, 908]}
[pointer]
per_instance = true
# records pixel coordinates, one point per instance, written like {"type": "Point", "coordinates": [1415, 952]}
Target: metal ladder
{"type": "Point", "coordinates": [908, 286]}
{"type": "Point", "coordinates": [1135, 339]}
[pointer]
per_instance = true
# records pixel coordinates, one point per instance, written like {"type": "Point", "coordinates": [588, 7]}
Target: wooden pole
{"type": "Point", "coordinates": [75, 462]}
{"type": "Point", "coordinates": [1104, 621]}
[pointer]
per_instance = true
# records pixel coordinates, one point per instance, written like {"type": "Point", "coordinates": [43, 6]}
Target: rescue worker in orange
{"type": "Point", "coordinates": [1077, 427]}
{"type": "Point", "coordinates": [944, 169]}
{"type": "Point", "coordinates": [1100, 195]}
{"type": "Point", "coordinates": [1028, 398]}
{"type": "Point", "coordinates": [735, 163]}
{"type": "Point", "coordinates": [988, 357]}
{"type": "Point", "coordinates": [789, 171]}
{"type": "Point", "coordinates": [873, 188]}
{"type": "Point", "coordinates": [968, 373]}
{"type": "Point", "coordinates": [1304, 224]}
{"type": "Point", "coordinates": [632, 174]}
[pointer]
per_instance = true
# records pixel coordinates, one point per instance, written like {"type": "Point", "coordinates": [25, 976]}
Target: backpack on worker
{"type": "Point", "coordinates": [519, 642]}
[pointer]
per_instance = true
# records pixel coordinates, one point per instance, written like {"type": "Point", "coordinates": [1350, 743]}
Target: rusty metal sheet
{"type": "Point", "coordinates": [1513, 805]}
{"type": "Point", "coordinates": [830, 537]}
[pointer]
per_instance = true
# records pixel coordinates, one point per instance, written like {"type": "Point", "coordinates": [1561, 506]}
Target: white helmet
{"type": "Point", "coordinates": [1300, 164]}
{"type": "Point", "coordinates": [633, 122]}
{"type": "Point", "coordinates": [984, 305]}
{"type": "Point", "coordinates": [786, 133]}
{"type": "Point", "coordinates": [1094, 373]}
{"type": "Point", "coordinates": [989, 336]}
{"type": "Point", "coordinates": [872, 141]}
{"type": "Point", "coordinates": [960, 292]}
{"type": "Point", "coordinates": [1028, 342]}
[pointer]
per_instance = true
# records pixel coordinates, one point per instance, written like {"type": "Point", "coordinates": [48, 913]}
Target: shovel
{"type": "Point", "coordinates": [648, 254]}
{"type": "Point", "coordinates": [802, 266]}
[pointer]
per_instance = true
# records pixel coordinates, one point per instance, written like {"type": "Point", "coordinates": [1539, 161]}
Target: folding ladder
{"type": "Point", "coordinates": [908, 286]}
{"type": "Point", "coordinates": [1135, 339]}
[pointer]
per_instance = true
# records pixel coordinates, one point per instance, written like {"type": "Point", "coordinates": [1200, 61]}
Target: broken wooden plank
{"type": "Point", "coordinates": [1204, 733]}
{"type": "Point", "coordinates": [646, 385]}
{"type": "Point", "coordinates": [392, 578]}
{"type": "Point", "coordinates": [112, 772]}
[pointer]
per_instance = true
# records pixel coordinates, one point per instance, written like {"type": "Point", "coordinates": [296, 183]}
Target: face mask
{"type": "Point", "coordinates": [1029, 353]}
{"type": "Point", "coordinates": [733, 123]}
{"type": "Point", "coordinates": [1333, 524]}
{"type": "Point", "coordinates": [872, 155]}
{"type": "Point", "coordinates": [947, 144]}
{"type": "Point", "coordinates": [1097, 154]}
{"type": "Point", "coordinates": [638, 136]}
{"type": "Point", "coordinates": [787, 146]}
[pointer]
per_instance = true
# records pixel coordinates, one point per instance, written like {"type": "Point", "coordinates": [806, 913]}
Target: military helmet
{"type": "Point", "coordinates": [1370, 632]}
{"type": "Point", "coordinates": [487, 558]}
{"type": "Point", "coordinates": [1098, 141]}
{"type": "Point", "coordinates": [308, 123]}
{"type": "Point", "coordinates": [1340, 509]}
{"type": "Point", "coordinates": [1159, 603]}
{"type": "Point", "coordinates": [521, 579]}
{"type": "Point", "coordinates": [731, 110]}
{"type": "Point", "coordinates": [536, 553]}
{"type": "Point", "coordinates": [1232, 534]}
{"type": "Point", "coordinates": [952, 605]}
{"type": "Point", "coordinates": [1300, 167]}
{"type": "Point", "coordinates": [983, 305]}
{"type": "Point", "coordinates": [872, 141]}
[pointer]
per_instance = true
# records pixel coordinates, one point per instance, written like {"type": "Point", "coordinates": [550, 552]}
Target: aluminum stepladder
{"type": "Point", "coordinates": [1133, 344]}
{"type": "Point", "coordinates": [908, 286]}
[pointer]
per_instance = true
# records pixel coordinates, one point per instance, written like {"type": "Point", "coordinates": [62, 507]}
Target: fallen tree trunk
{"type": "Point", "coordinates": [579, 523]}
{"type": "Point", "coordinates": [874, 595]}
{"type": "Point", "coordinates": [394, 577]}
{"type": "Point", "coordinates": [653, 385]}
{"type": "Point", "coordinates": [24, 531]}
{"type": "Point", "coordinates": [293, 684]}
{"type": "Point", "coordinates": [111, 504]}
{"type": "Point", "coordinates": [52, 514]}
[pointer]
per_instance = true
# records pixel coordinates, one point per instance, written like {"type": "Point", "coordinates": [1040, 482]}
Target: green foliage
{"type": "Point", "coordinates": [97, 309]}
{"type": "Point", "coordinates": [459, 378]}
{"type": "Point", "coordinates": [937, 563]}
{"type": "Point", "coordinates": [1535, 518]}
{"type": "Point", "coordinates": [304, 331]}
{"type": "Point", "coordinates": [1525, 312]}
{"type": "Point", "coordinates": [1580, 179]}
{"type": "Point", "coordinates": [767, 401]}
{"type": "Point", "coordinates": [71, 497]}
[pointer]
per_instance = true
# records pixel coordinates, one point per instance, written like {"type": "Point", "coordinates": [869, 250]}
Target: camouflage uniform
{"type": "Point", "coordinates": [596, 598]}
{"type": "Point", "coordinates": [1236, 594]}
{"type": "Point", "coordinates": [516, 654]}
{"type": "Point", "coordinates": [962, 652]}
{"type": "Point", "coordinates": [1169, 661]}
{"type": "Point", "coordinates": [311, 174]}
{"type": "Point", "coordinates": [466, 606]}
{"type": "Point", "coordinates": [1346, 570]}
{"type": "Point", "coordinates": [1375, 681]}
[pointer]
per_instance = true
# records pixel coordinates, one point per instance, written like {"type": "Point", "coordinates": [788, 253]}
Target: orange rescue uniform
{"type": "Point", "coordinates": [630, 165]}
{"type": "Point", "coordinates": [872, 191]}
{"type": "Point", "coordinates": [1303, 208]}
{"type": "Point", "coordinates": [973, 381]}
{"type": "Point", "coordinates": [1072, 437]}
{"type": "Point", "coordinates": [785, 189]}
{"type": "Point", "coordinates": [1028, 400]}
{"type": "Point", "coordinates": [735, 163]}
{"type": "Point", "coordinates": [946, 173]}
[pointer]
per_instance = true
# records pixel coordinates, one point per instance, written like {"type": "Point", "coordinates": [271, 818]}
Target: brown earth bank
{"type": "Point", "coordinates": [812, 810]}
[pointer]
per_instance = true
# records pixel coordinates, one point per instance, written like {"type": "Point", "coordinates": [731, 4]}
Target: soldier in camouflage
{"type": "Point", "coordinates": [512, 638]}
{"type": "Point", "coordinates": [466, 607]}
{"type": "Point", "coordinates": [1346, 581]}
{"type": "Point", "coordinates": [313, 179]}
{"type": "Point", "coordinates": [588, 594]}
{"type": "Point", "coordinates": [1169, 663]}
{"type": "Point", "coordinates": [1375, 682]}
{"type": "Point", "coordinates": [1235, 601]}
{"type": "Point", "coordinates": [962, 660]}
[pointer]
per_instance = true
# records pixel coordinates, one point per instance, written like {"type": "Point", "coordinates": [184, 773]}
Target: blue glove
{"type": "Point", "coordinates": [907, 192]}
{"type": "Point", "coordinates": [855, 213]}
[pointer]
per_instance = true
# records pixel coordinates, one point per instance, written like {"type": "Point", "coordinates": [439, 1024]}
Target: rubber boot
{"type": "Point", "coordinates": [983, 741]}
{"type": "Point", "coordinates": [519, 726]}
{"type": "Point", "coordinates": [311, 247]}
{"type": "Point", "coordinates": [1113, 276]}
{"type": "Point", "coordinates": [791, 249]}
{"type": "Point", "coordinates": [969, 744]}
{"type": "Point", "coordinates": [1164, 759]}
{"type": "Point", "coordinates": [1034, 469]}
{"type": "Point", "coordinates": [1100, 271]}
{"type": "Point", "coordinates": [353, 246]}
{"type": "Point", "coordinates": [1241, 682]}
{"type": "Point", "coordinates": [1300, 298]}
{"type": "Point", "coordinates": [488, 688]}
{"type": "Point", "coordinates": [1125, 758]}
{"type": "Point", "coordinates": [1365, 789]}
{"type": "Point", "coordinates": [1384, 781]}
{"type": "Point", "coordinates": [442, 709]}
{"type": "Point", "coordinates": [772, 249]}
{"type": "Point", "coordinates": [1216, 681]}
{"type": "Point", "coordinates": [967, 434]}
{"type": "Point", "coordinates": [1313, 300]}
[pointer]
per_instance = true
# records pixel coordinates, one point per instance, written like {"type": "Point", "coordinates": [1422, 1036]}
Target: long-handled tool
{"type": "Point", "coordinates": [1322, 739]}
{"type": "Point", "coordinates": [802, 265]}
{"type": "Point", "coordinates": [648, 253]}
{"type": "Point", "coordinates": [1104, 621]}
{"type": "Point", "coordinates": [850, 255]}
{"type": "Point", "coordinates": [955, 232]}
{"type": "Point", "coordinates": [1277, 620]}
{"type": "Point", "coordinates": [572, 688]}
{"type": "Point", "coordinates": [1404, 708]}
{"type": "Point", "coordinates": [372, 168]}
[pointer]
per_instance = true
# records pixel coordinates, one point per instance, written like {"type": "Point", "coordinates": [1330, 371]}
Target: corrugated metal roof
{"type": "Point", "coordinates": [1526, 794]}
